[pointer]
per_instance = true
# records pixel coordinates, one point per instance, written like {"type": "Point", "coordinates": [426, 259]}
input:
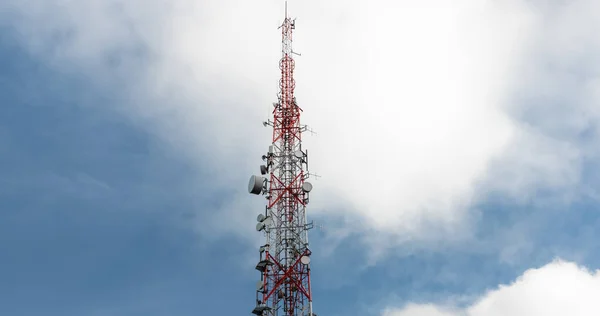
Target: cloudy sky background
{"type": "Point", "coordinates": [457, 146]}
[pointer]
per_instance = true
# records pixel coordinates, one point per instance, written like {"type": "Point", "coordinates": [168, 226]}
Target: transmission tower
{"type": "Point", "coordinates": [284, 265]}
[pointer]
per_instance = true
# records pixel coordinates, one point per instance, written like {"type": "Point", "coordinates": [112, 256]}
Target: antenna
{"type": "Point", "coordinates": [284, 265]}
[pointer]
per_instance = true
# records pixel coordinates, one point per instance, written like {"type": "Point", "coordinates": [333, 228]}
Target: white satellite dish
{"type": "Point", "coordinates": [260, 226]}
{"type": "Point", "coordinates": [307, 187]}
{"type": "Point", "coordinates": [260, 217]}
{"type": "Point", "coordinates": [255, 185]}
{"type": "Point", "coordinates": [299, 154]}
{"type": "Point", "coordinates": [268, 221]}
{"type": "Point", "coordinates": [305, 260]}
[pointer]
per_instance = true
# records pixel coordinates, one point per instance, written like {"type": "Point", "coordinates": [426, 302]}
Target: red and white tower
{"type": "Point", "coordinates": [284, 265]}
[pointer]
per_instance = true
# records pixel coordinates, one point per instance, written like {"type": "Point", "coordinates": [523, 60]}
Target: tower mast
{"type": "Point", "coordinates": [284, 265]}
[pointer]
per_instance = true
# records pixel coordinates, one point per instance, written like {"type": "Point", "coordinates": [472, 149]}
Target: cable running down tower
{"type": "Point", "coordinates": [284, 265]}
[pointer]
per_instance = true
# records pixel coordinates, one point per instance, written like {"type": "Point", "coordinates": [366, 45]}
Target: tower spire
{"type": "Point", "coordinates": [284, 264]}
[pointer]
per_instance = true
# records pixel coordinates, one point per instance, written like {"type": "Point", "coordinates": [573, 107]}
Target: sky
{"type": "Point", "coordinates": [457, 146]}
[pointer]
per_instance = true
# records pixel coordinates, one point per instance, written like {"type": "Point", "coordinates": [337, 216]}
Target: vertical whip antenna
{"type": "Point", "coordinates": [284, 264]}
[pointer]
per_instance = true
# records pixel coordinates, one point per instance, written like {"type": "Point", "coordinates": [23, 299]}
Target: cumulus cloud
{"type": "Point", "coordinates": [409, 98]}
{"type": "Point", "coordinates": [557, 289]}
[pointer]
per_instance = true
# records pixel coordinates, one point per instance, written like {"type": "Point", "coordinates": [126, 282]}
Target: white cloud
{"type": "Point", "coordinates": [557, 289]}
{"type": "Point", "coordinates": [410, 98]}
{"type": "Point", "coordinates": [419, 310]}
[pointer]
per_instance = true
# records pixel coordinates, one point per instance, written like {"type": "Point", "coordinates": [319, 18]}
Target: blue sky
{"type": "Point", "coordinates": [102, 214]}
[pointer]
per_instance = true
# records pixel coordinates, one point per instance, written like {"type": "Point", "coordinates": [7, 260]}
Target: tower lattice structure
{"type": "Point", "coordinates": [284, 287]}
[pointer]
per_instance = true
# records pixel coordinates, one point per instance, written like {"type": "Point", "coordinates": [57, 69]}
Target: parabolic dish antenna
{"type": "Point", "coordinates": [299, 154]}
{"type": "Point", "coordinates": [260, 226]}
{"type": "Point", "coordinates": [255, 185]}
{"type": "Point", "coordinates": [305, 260]}
{"type": "Point", "coordinates": [307, 187]}
{"type": "Point", "coordinates": [268, 221]}
{"type": "Point", "coordinates": [260, 217]}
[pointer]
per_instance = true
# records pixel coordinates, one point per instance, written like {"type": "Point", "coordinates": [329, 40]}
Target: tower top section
{"type": "Point", "coordinates": [287, 27]}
